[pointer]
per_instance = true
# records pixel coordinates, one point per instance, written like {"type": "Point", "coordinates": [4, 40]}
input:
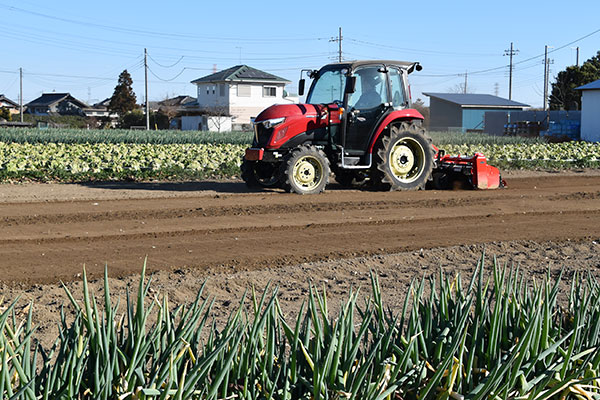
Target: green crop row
{"type": "Point", "coordinates": [34, 135]}
{"type": "Point", "coordinates": [501, 337]}
{"type": "Point", "coordinates": [76, 162]}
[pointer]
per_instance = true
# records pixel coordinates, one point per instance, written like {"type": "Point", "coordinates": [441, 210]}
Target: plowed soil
{"type": "Point", "coordinates": [190, 232]}
{"type": "Point", "coordinates": [224, 226]}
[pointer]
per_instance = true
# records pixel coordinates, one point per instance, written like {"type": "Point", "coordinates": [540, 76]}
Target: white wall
{"type": "Point", "coordinates": [205, 123]}
{"type": "Point", "coordinates": [206, 98]}
{"type": "Point", "coordinates": [191, 123]}
{"type": "Point", "coordinates": [590, 115]}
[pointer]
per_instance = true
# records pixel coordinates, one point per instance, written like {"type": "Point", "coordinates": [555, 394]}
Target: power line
{"type": "Point", "coordinates": [420, 51]}
{"type": "Point", "coordinates": [522, 61]}
{"type": "Point", "coordinates": [168, 80]}
{"type": "Point", "coordinates": [156, 34]}
{"type": "Point", "coordinates": [166, 66]}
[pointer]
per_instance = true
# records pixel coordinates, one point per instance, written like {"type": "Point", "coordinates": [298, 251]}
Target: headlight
{"type": "Point", "coordinates": [269, 123]}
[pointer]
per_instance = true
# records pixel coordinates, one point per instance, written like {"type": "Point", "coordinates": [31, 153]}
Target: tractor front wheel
{"type": "Point", "coordinates": [305, 170]}
{"type": "Point", "coordinates": [259, 174]}
{"type": "Point", "coordinates": [403, 158]}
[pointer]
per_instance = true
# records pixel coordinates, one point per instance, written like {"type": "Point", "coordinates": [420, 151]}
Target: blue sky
{"type": "Point", "coordinates": [81, 47]}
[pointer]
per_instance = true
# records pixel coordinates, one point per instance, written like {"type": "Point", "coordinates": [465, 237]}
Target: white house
{"type": "Point", "coordinates": [5, 102]}
{"type": "Point", "coordinates": [590, 111]}
{"type": "Point", "coordinates": [241, 92]}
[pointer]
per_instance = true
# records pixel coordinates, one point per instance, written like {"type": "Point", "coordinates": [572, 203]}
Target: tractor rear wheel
{"type": "Point", "coordinates": [403, 158]}
{"type": "Point", "coordinates": [305, 170]}
{"type": "Point", "coordinates": [260, 174]}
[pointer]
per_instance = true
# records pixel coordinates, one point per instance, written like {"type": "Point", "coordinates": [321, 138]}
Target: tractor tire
{"type": "Point", "coordinates": [305, 170]}
{"type": "Point", "coordinates": [403, 158]}
{"type": "Point", "coordinates": [257, 174]}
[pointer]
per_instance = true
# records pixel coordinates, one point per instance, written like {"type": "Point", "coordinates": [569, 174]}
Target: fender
{"type": "Point", "coordinates": [406, 114]}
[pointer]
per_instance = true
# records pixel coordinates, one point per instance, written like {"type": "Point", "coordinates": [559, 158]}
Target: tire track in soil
{"type": "Point", "coordinates": [259, 230]}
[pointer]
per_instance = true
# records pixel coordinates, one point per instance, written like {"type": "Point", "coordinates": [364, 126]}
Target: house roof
{"type": "Point", "coordinates": [103, 103]}
{"type": "Point", "coordinates": [590, 86]}
{"type": "Point", "coordinates": [176, 101]}
{"type": "Point", "coordinates": [48, 99]}
{"type": "Point", "coordinates": [240, 73]}
{"type": "Point", "coordinates": [477, 100]}
{"type": "Point", "coordinates": [5, 99]}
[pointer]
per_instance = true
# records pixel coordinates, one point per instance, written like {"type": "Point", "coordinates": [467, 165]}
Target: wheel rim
{"type": "Point", "coordinates": [407, 160]}
{"type": "Point", "coordinates": [265, 175]}
{"type": "Point", "coordinates": [308, 172]}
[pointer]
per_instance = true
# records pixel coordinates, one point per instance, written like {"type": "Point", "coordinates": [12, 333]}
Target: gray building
{"type": "Point", "coordinates": [465, 112]}
{"type": "Point", "coordinates": [57, 103]}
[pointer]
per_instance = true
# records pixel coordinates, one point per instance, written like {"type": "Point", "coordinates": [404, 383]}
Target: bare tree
{"type": "Point", "coordinates": [460, 88]}
{"type": "Point", "coordinates": [219, 116]}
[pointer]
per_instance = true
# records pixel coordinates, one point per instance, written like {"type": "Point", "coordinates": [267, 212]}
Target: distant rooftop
{"type": "Point", "coordinates": [5, 99]}
{"type": "Point", "coordinates": [47, 99]}
{"type": "Point", "coordinates": [590, 86]}
{"type": "Point", "coordinates": [477, 100]}
{"type": "Point", "coordinates": [240, 73]}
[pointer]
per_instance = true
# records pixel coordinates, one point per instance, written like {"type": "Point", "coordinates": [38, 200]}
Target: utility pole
{"type": "Point", "coordinates": [21, 93]}
{"type": "Point", "coordinates": [545, 77]}
{"type": "Point", "coordinates": [340, 45]}
{"type": "Point", "coordinates": [510, 53]}
{"type": "Point", "coordinates": [146, 80]}
{"type": "Point", "coordinates": [339, 40]}
{"type": "Point", "coordinates": [577, 56]}
{"type": "Point", "coordinates": [547, 63]}
{"type": "Point", "coordinates": [465, 88]}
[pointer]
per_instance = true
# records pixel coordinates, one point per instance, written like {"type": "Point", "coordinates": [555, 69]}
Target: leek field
{"type": "Point", "coordinates": [494, 335]}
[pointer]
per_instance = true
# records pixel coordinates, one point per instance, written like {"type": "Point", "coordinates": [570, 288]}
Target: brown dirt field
{"type": "Point", "coordinates": [217, 231]}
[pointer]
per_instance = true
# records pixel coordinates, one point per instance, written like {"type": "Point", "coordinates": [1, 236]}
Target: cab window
{"type": "Point", "coordinates": [370, 90]}
{"type": "Point", "coordinates": [398, 98]}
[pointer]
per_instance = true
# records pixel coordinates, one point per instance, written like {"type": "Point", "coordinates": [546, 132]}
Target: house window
{"type": "Point", "coordinates": [269, 91]}
{"type": "Point", "coordinates": [207, 89]}
{"type": "Point", "coordinates": [244, 90]}
{"type": "Point", "coordinates": [213, 89]}
{"type": "Point", "coordinates": [222, 89]}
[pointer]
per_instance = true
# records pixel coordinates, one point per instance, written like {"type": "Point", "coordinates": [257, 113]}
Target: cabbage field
{"type": "Point", "coordinates": [70, 155]}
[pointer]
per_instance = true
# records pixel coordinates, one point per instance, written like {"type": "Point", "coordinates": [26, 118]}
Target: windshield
{"type": "Point", "coordinates": [328, 88]}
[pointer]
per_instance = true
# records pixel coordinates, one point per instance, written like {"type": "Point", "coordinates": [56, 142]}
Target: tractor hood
{"type": "Point", "coordinates": [291, 111]}
{"type": "Point", "coordinates": [285, 121]}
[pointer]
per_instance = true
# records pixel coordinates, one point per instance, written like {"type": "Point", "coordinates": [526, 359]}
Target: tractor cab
{"type": "Point", "coordinates": [365, 92]}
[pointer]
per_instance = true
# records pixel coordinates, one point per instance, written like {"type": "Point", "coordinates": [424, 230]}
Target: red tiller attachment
{"type": "Point", "coordinates": [474, 170]}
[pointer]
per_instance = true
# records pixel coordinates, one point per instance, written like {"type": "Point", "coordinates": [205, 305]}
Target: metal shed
{"type": "Point", "coordinates": [590, 111]}
{"type": "Point", "coordinates": [465, 112]}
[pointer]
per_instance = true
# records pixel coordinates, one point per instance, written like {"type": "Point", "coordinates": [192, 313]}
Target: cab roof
{"type": "Point", "coordinates": [359, 63]}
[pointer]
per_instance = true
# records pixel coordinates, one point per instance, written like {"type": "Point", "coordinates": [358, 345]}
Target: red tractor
{"type": "Point", "coordinates": [358, 122]}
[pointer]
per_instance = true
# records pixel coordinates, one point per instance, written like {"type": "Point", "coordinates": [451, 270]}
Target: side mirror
{"type": "Point", "coordinates": [418, 67]}
{"type": "Point", "coordinates": [301, 87]}
{"type": "Point", "coordinates": [350, 84]}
